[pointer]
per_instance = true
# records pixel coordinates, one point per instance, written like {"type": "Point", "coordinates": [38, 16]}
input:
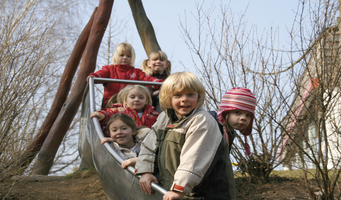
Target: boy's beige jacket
{"type": "Point", "coordinates": [201, 142]}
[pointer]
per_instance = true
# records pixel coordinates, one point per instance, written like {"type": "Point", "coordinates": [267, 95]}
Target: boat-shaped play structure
{"type": "Point", "coordinates": [118, 184]}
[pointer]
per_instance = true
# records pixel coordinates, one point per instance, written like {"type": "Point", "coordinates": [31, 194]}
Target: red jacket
{"type": "Point", "coordinates": [126, 72]}
{"type": "Point", "coordinates": [148, 117]}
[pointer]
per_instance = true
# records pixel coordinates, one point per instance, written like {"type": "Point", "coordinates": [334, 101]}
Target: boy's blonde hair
{"type": "Point", "coordinates": [155, 55]}
{"type": "Point", "coordinates": [123, 94]}
{"type": "Point", "coordinates": [120, 49]}
{"type": "Point", "coordinates": [178, 82]}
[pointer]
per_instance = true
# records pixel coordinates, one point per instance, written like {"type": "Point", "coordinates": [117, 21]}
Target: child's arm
{"type": "Point", "coordinates": [146, 182]}
{"type": "Point", "coordinates": [156, 92]}
{"type": "Point", "coordinates": [97, 114]}
{"type": "Point", "coordinates": [106, 139]}
{"type": "Point", "coordinates": [152, 79]}
{"type": "Point", "coordinates": [202, 141]}
{"type": "Point", "coordinates": [104, 115]}
{"type": "Point", "coordinates": [143, 77]}
{"type": "Point", "coordinates": [145, 160]}
{"type": "Point", "coordinates": [87, 78]}
{"type": "Point", "coordinates": [102, 73]}
{"type": "Point", "coordinates": [129, 162]}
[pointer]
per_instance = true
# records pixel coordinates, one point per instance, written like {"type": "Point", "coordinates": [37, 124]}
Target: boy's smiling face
{"type": "Point", "coordinates": [183, 102]}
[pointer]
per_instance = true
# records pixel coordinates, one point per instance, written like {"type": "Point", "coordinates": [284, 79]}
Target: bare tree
{"type": "Point", "coordinates": [225, 53]}
{"type": "Point", "coordinates": [311, 128]}
{"type": "Point", "coordinates": [34, 44]}
{"type": "Point", "coordinates": [28, 51]}
{"type": "Point", "coordinates": [297, 88]}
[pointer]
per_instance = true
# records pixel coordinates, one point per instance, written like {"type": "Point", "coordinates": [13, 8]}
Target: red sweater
{"type": "Point", "coordinates": [148, 117]}
{"type": "Point", "coordinates": [126, 72]}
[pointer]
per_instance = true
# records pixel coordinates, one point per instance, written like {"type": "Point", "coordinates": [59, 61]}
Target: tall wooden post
{"type": "Point", "coordinates": [144, 27]}
{"type": "Point", "coordinates": [71, 105]}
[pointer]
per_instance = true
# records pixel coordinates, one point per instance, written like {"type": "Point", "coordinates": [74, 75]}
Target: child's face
{"type": "Point", "coordinates": [184, 102]}
{"type": "Point", "coordinates": [122, 134]}
{"type": "Point", "coordinates": [124, 58]}
{"type": "Point", "coordinates": [157, 65]}
{"type": "Point", "coordinates": [136, 100]}
{"type": "Point", "coordinates": [238, 119]}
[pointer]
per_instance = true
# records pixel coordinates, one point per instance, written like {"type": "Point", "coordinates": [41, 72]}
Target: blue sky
{"type": "Point", "coordinates": [166, 15]}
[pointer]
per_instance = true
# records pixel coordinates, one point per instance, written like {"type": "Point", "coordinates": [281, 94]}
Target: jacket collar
{"type": "Point", "coordinates": [160, 76]}
{"type": "Point", "coordinates": [123, 67]}
{"type": "Point", "coordinates": [174, 119]}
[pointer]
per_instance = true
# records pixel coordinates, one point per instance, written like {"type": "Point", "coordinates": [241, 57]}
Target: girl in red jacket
{"type": "Point", "coordinates": [135, 101]}
{"type": "Point", "coordinates": [122, 68]}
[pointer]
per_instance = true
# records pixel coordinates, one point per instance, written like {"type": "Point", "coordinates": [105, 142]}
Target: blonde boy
{"type": "Point", "coordinates": [192, 156]}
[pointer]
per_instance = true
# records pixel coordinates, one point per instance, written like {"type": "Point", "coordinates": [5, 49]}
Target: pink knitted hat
{"type": "Point", "coordinates": [237, 99]}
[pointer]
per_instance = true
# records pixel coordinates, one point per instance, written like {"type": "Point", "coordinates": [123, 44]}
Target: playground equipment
{"type": "Point", "coordinates": [117, 183]}
{"type": "Point", "coordinates": [65, 104]}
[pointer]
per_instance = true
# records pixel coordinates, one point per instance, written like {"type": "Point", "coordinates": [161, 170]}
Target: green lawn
{"type": "Point", "coordinates": [291, 174]}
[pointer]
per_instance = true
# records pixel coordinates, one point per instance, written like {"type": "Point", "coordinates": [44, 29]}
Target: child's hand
{"type": "Point", "coordinates": [145, 183]}
{"type": "Point", "coordinates": [156, 92]}
{"type": "Point", "coordinates": [99, 115]}
{"type": "Point", "coordinates": [87, 78]}
{"type": "Point", "coordinates": [129, 162]}
{"type": "Point", "coordinates": [170, 195]}
{"type": "Point", "coordinates": [106, 139]}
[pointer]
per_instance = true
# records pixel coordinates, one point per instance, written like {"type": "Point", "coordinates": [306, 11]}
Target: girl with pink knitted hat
{"type": "Point", "coordinates": [236, 112]}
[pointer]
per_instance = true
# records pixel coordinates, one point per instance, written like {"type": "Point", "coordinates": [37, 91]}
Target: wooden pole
{"type": "Point", "coordinates": [144, 27]}
{"type": "Point", "coordinates": [69, 110]}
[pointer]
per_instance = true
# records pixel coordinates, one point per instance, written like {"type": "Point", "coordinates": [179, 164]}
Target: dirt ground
{"type": "Point", "coordinates": [86, 185]}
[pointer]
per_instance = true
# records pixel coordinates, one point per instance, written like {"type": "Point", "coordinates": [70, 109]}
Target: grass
{"type": "Point", "coordinates": [76, 173]}
{"type": "Point", "coordinates": [287, 173]}
{"type": "Point", "coordinates": [291, 174]}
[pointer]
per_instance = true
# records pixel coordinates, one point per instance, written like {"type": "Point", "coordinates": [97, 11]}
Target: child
{"type": "Point", "coordinates": [157, 66]}
{"type": "Point", "coordinates": [125, 137]}
{"type": "Point", "coordinates": [236, 111]}
{"type": "Point", "coordinates": [193, 157]}
{"type": "Point", "coordinates": [122, 68]}
{"type": "Point", "coordinates": [135, 101]}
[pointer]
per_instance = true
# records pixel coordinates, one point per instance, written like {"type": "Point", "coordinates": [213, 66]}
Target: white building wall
{"type": "Point", "coordinates": [313, 143]}
{"type": "Point", "coordinates": [334, 131]}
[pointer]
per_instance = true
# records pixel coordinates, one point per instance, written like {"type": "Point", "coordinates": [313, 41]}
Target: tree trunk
{"type": "Point", "coordinates": [61, 95]}
{"type": "Point", "coordinates": [144, 27]}
{"type": "Point", "coordinates": [70, 107]}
